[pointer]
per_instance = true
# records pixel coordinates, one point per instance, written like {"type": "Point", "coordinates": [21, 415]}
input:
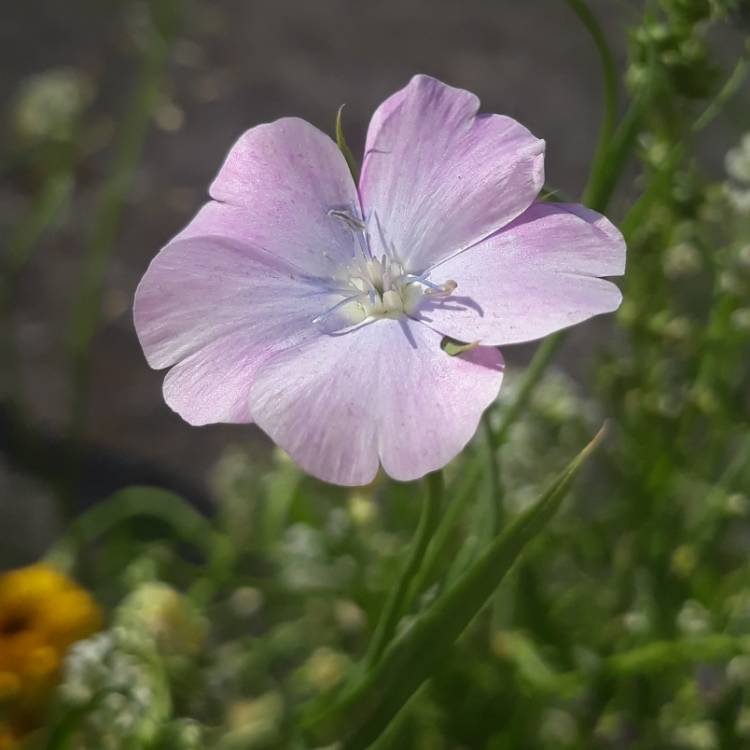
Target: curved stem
{"type": "Point", "coordinates": [607, 169]}
{"type": "Point", "coordinates": [727, 91]}
{"type": "Point", "coordinates": [611, 154]}
{"type": "Point", "coordinates": [397, 599]}
{"type": "Point", "coordinates": [125, 505]}
{"type": "Point", "coordinates": [609, 72]}
{"type": "Point", "coordinates": [605, 175]}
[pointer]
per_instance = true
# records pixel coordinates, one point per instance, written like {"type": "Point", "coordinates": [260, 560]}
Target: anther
{"type": "Point", "coordinates": [351, 221]}
{"type": "Point", "coordinates": [448, 287]}
{"type": "Point", "coordinates": [338, 306]}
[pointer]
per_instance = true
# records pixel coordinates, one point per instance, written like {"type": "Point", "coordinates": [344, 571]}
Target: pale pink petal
{"type": "Point", "coordinates": [439, 177]}
{"type": "Point", "coordinates": [212, 384]}
{"type": "Point", "coordinates": [275, 191]}
{"type": "Point", "coordinates": [384, 392]}
{"type": "Point", "coordinates": [536, 276]}
{"type": "Point", "coordinates": [216, 309]}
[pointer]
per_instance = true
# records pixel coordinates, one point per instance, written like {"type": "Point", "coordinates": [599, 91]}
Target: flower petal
{"type": "Point", "coordinates": [278, 184]}
{"type": "Point", "coordinates": [440, 177]}
{"type": "Point", "coordinates": [217, 308]}
{"type": "Point", "coordinates": [212, 384]}
{"type": "Point", "coordinates": [536, 276]}
{"type": "Point", "coordinates": [382, 392]}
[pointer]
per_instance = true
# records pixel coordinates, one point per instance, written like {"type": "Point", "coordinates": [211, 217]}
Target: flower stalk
{"type": "Point", "coordinates": [399, 597]}
{"type": "Point", "coordinates": [609, 74]}
{"type": "Point", "coordinates": [86, 311]}
{"type": "Point", "coordinates": [370, 704]}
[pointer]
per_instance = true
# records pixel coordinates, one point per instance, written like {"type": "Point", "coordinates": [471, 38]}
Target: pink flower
{"type": "Point", "coordinates": [316, 309]}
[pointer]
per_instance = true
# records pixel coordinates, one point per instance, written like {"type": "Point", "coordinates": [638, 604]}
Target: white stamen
{"type": "Point", "coordinates": [378, 287]}
{"type": "Point", "coordinates": [351, 221]}
{"type": "Point", "coordinates": [358, 228]}
{"type": "Point", "coordinates": [444, 289]}
{"type": "Point", "coordinates": [337, 306]}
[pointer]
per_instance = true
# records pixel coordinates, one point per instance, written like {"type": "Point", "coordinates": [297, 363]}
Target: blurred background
{"type": "Point", "coordinates": [115, 117]}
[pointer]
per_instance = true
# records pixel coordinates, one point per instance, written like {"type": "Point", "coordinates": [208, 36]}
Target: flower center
{"type": "Point", "coordinates": [381, 287]}
{"type": "Point", "coordinates": [377, 287]}
{"type": "Point", "coordinates": [14, 624]}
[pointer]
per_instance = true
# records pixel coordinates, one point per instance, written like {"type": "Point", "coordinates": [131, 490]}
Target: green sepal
{"type": "Point", "coordinates": [453, 347]}
{"type": "Point", "coordinates": [344, 146]}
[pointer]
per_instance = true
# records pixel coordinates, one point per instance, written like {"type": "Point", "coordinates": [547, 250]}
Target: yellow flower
{"type": "Point", "coordinates": [42, 613]}
{"type": "Point", "coordinates": [8, 738]}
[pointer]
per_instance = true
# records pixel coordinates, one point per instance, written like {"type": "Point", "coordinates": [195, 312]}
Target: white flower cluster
{"type": "Point", "coordinates": [49, 105]}
{"type": "Point", "coordinates": [117, 686]}
{"type": "Point", "coordinates": [737, 163]}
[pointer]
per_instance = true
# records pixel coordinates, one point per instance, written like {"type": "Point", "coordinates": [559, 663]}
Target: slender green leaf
{"type": "Point", "coordinates": [365, 709]}
{"type": "Point", "coordinates": [437, 551]}
{"type": "Point", "coordinates": [398, 598]}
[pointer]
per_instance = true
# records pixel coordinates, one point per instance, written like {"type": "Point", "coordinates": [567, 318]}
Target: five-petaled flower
{"type": "Point", "coordinates": [316, 308]}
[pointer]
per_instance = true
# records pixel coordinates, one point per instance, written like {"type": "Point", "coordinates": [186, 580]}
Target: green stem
{"type": "Point", "coordinates": [638, 212]}
{"type": "Point", "coordinates": [86, 310]}
{"type": "Point", "coordinates": [398, 597]}
{"type": "Point", "coordinates": [727, 91]}
{"type": "Point", "coordinates": [125, 505]}
{"type": "Point", "coordinates": [108, 214]}
{"type": "Point", "coordinates": [494, 490]}
{"type": "Point", "coordinates": [611, 154]}
{"type": "Point", "coordinates": [606, 171]}
{"type": "Point", "coordinates": [487, 524]}
{"type": "Point", "coordinates": [609, 72]}
{"type": "Point", "coordinates": [61, 733]}
{"type": "Point", "coordinates": [44, 212]}
{"type": "Point", "coordinates": [531, 377]}
{"type": "Point", "coordinates": [609, 164]}
{"type": "Point", "coordinates": [437, 548]}
{"type": "Point", "coordinates": [396, 735]}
